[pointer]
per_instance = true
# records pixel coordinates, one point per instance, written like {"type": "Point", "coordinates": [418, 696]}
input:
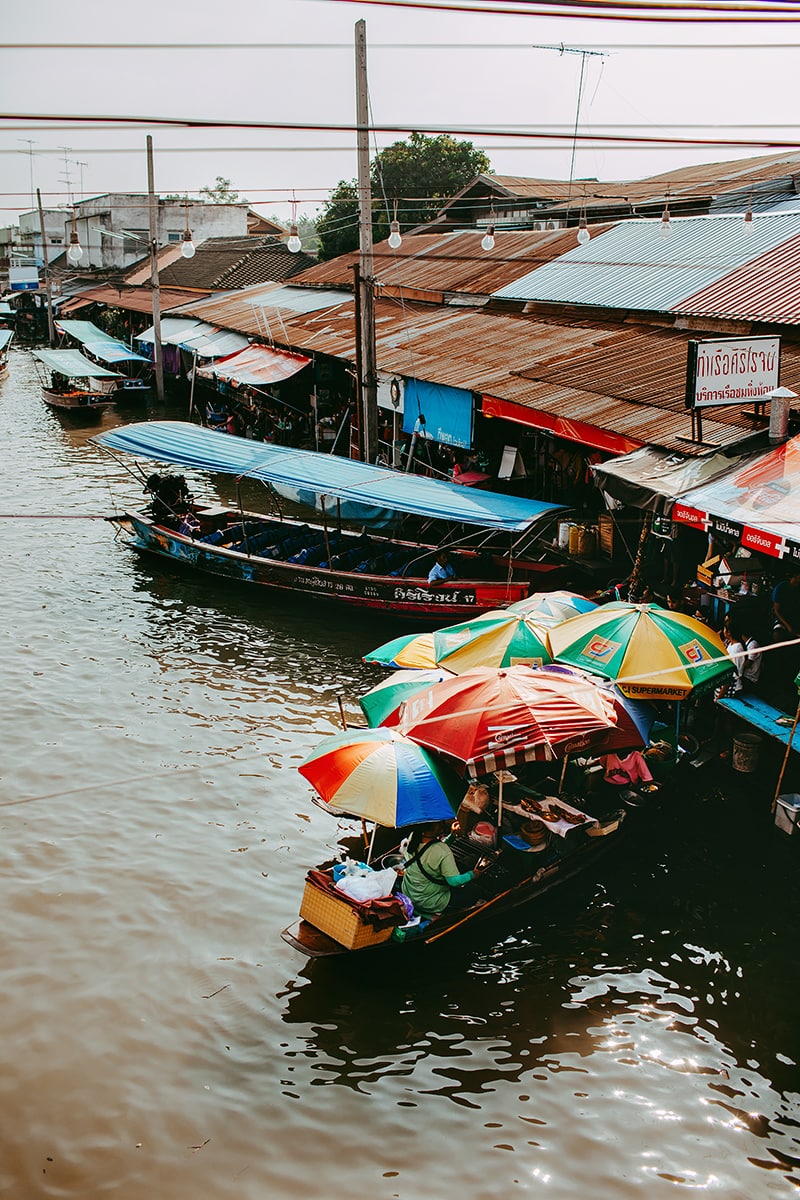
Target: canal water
{"type": "Point", "coordinates": [635, 1033]}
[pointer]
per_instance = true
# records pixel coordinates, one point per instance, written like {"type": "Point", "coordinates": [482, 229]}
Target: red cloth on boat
{"type": "Point", "coordinates": [388, 910]}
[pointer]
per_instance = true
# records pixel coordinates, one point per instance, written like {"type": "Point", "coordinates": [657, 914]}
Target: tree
{"type": "Point", "coordinates": [419, 175]}
{"type": "Point", "coordinates": [222, 193]}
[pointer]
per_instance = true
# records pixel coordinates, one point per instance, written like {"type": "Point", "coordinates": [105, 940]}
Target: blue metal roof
{"type": "Point", "coordinates": [310, 474]}
{"type": "Point", "coordinates": [99, 343]}
{"type": "Point", "coordinates": [73, 365]}
{"type": "Point", "coordinates": [636, 266]}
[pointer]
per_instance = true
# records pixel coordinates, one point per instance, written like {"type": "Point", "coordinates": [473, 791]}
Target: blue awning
{"type": "Point", "coordinates": [185, 445]}
{"type": "Point", "coordinates": [5, 337]}
{"type": "Point", "coordinates": [73, 365]}
{"type": "Point", "coordinates": [447, 412]}
{"type": "Point", "coordinates": [99, 343]}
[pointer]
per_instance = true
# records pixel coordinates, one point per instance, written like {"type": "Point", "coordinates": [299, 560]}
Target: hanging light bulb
{"type": "Point", "coordinates": [665, 228]}
{"type": "Point", "coordinates": [487, 241]}
{"type": "Point", "coordinates": [75, 250]}
{"type": "Point", "coordinates": [583, 231]}
{"type": "Point", "coordinates": [187, 246]}
{"type": "Point", "coordinates": [294, 243]}
{"type": "Point", "coordinates": [394, 234]}
{"type": "Point", "coordinates": [748, 219]}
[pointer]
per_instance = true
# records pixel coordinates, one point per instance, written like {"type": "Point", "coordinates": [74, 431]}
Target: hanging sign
{"type": "Point", "coordinates": [732, 371]}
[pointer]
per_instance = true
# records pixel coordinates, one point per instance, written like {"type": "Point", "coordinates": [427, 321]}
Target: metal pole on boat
{"type": "Point", "coordinates": [157, 350]}
{"type": "Point", "coordinates": [241, 514]}
{"type": "Point", "coordinates": [325, 529]}
{"type": "Point", "coordinates": [48, 287]}
{"type": "Point", "coordinates": [563, 774]}
{"type": "Point", "coordinates": [191, 389]}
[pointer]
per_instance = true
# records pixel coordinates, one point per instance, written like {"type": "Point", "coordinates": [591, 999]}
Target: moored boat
{"type": "Point", "coordinates": [73, 383]}
{"type": "Point", "coordinates": [361, 567]}
{"type": "Point", "coordinates": [6, 336]}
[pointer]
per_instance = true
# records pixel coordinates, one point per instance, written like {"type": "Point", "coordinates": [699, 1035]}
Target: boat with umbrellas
{"type": "Point", "coordinates": [488, 751]}
{"type": "Point", "coordinates": [72, 383]}
{"type": "Point", "coordinates": [380, 535]}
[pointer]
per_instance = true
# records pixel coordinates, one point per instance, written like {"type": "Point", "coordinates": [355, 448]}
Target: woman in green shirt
{"type": "Point", "coordinates": [431, 874]}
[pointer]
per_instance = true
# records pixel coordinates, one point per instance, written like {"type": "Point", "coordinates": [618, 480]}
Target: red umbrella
{"type": "Point", "coordinates": [487, 719]}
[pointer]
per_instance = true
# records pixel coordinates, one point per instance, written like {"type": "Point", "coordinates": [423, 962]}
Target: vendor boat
{"type": "Point", "coordinates": [74, 384]}
{"type": "Point", "coordinates": [544, 841]}
{"type": "Point", "coordinates": [362, 567]}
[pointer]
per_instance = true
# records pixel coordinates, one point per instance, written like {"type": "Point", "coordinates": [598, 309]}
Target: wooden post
{"type": "Point", "coordinates": [785, 759]}
{"type": "Point", "coordinates": [369, 380]}
{"type": "Point", "coordinates": [51, 331]}
{"type": "Point", "coordinates": [158, 356]}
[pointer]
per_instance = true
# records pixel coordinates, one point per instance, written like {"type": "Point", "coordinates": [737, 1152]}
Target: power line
{"type": "Point", "coordinates": [483, 47]}
{"type": "Point", "coordinates": [615, 10]}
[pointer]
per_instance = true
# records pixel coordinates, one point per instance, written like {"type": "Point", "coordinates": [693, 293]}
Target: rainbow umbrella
{"type": "Point", "coordinates": [381, 704]}
{"type": "Point", "coordinates": [551, 607]}
{"type": "Point", "coordinates": [487, 719]}
{"type": "Point", "coordinates": [501, 638]}
{"type": "Point", "coordinates": [413, 651]}
{"type": "Point", "coordinates": [649, 651]}
{"type": "Point", "coordinates": [381, 776]}
{"type": "Point", "coordinates": [641, 712]}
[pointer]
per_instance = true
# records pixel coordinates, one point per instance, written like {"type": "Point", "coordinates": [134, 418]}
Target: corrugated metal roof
{"type": "Point", "coordinates": [450, 262]}
{"type": "Point", "coordinates": [634, 266]}
{"type": "Point", "coordinates": [766, 290]}
{"type": "Point", "coordinates": [256, 365]}
{"type": "Point", "coordinates": [620, 376]}
{"type": "Point", "coordinates": [133, 299]}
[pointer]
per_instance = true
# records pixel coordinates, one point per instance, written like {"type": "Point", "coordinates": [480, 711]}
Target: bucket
{"type": "Point", "coordinates": [587, 542]}
{"type": "Point", "coordinates": [574, 538]}
{"type": "Point", "coordinates": [563, 534]}
{"type": "Point", "coordinates": [746, 747]}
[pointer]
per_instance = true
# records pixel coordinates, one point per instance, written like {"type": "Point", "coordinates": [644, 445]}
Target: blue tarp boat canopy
{"type": "Point", "coordinates": [310, 474]}
{"type": "Point", "coordinates": [5, 337]}
{"type": "Point", "coordinates": [73, 365]}
{"type": "Point", "coordinates": [99, 343]}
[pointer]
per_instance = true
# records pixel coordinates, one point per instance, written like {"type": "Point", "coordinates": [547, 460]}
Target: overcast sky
{"type": "Point", "coordinates": [426, 69]}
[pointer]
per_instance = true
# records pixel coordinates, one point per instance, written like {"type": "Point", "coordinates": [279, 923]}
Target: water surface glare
{"type": "Point", "coordinates": [634, 1034]}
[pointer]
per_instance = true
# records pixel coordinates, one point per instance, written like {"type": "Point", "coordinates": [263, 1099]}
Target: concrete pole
{"type": "Point", "coordinates": [158, 354]}
{"type": "Point", "coordinates": [51, 331]}
{"type": "Point", "coordinates": [366, 332]}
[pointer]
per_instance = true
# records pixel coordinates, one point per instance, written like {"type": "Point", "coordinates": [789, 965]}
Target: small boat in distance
{"type": "Point", "coordinates": [135, 371]}
{"type": "Point", "coordinates": [387, 572]}
{"type": "Point", "coordinates": [74, 384]}
{"type": "Point", "coordinates": [6, 336]}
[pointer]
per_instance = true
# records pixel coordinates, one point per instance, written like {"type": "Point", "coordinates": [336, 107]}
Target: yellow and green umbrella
{"type": "Point", "coordinates": [501, 638]}
{"type": "Point", "coordinates": [652, 653]}
{"type": "Point", "coordinates": [414, 651]}
{"type": "Point", "coordinates": [381, 704]}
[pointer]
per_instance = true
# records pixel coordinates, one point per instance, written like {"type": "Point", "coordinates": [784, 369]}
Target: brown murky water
{"type": "Point", "coordinates": [633, 1035]}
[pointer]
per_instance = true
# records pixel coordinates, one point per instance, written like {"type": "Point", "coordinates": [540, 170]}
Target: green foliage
{"type": "Point", "coordinates": [419, 174]}
{"type": "Point", "coordinates": [222, 193]}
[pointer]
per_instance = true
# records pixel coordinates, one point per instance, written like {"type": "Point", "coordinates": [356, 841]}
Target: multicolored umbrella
{"type": "Point", "coordinates": [641, 712]}
{"type": "Point", "coordinates": [381, 704]}
{"type": "Point", "coordinates": [501, 638]}
{"type": "Point", "coordinates": [649, 651]}
{"type": "Point", "coordinates": [487, 719]}
{"type": "Point", "coordinates": [413, 651]}
{"type": "Point", "coordinates": [383, 777]}
{"type": "Point", "coordinates": [551, 607]}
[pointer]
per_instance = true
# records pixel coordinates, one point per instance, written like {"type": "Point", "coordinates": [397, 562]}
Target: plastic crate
{"type": "Point", "coordinates": [339, 920]}
{"type": "Point", "coordinates": [787, 812]}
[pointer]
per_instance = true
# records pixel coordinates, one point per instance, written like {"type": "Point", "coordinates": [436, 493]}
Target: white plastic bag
{"type": "Point", "coordinates": [368, 887]}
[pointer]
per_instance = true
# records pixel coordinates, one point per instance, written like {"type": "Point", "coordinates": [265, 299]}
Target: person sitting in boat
{"type": "Point", "coordinates": [442, 570]}
{"type": "Point", "coordinates": [431, 879]}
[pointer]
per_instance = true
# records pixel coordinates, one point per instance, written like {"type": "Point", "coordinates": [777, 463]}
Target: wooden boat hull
{"type": "Point", "coordinates": [76, 401]}
{"type": "Point", "coordinates": [408, 597]}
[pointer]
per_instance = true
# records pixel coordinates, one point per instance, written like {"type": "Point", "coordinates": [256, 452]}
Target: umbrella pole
{"type": "Point", "coordinates": [563, 774]}
{"type": "Point", "coordinates": [341, 712]}
{"type": "Point", "coordinates": [371, 840]}
{"type": "Point", "coordinates": [785, 760]}
{"type": "Point", "coordinates": [500, 804]}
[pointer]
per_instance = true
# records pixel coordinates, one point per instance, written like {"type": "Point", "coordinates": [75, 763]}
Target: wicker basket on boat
{"type": "Point", "coordinates": [535, 833]}
{"type": "Point", "coordinates": [339, 919]}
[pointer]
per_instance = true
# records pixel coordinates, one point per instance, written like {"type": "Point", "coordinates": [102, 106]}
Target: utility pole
{"type": "Point", "coordinates": [157, 351]}
{"type": "Point", "coordinates": [51, 332]}
{"type": "Point", "coordinates": [365, 280]}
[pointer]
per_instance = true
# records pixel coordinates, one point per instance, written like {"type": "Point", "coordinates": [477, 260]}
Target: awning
{"type": "Point", "coordinates": [757, 502]}
{"type": "Point", "coordinates": [256, 365]}
{"type": "Point", "coordinates": [563, 427]}
{"type": "Point", "coordinates": [99, 343]}
{"type": "Point", "coordinates": [73, 365]}
{"type": "Point", "coordinates": [653, 479]}
{"type": "Point", "coordinates": [5, 337]}
{"type": "Point", "coordinates": [175, 329]}
{"type": "Point", "coordinates": [447, 412]}
{"type": "Point", "coordinates": [312, 474]}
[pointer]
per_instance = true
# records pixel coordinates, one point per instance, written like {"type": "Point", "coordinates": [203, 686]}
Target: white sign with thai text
{"type": "Point", "coordinates": [736, 371]}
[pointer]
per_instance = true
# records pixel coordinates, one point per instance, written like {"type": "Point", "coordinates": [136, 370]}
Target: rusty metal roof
{"type": "Point", "coordinates": [134, 299]}
{"type": "Point", "coordinates": [765, 290]}
{"type": "Point", "coordinates": [619, 376]}
{"type": "Point", "coordinates": [437, 265]}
